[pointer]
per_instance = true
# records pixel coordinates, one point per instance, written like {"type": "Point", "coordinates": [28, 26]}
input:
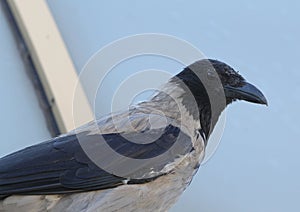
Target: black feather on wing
{"type": "Point", "coordinates": [60, 166]}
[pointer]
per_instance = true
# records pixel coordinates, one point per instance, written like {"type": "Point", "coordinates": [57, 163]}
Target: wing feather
{"type": "Point", "coordinates": [61, 166]}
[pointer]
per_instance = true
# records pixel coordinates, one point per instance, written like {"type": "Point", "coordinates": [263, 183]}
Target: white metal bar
{"type": "Point", "coordinates": [52, 60]}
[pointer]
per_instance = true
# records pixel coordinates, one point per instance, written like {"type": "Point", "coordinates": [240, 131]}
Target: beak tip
{"type": "Point", "coordinates": [264, 101]}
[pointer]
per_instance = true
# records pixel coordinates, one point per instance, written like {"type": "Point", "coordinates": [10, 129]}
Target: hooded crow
{"type": "Point", "coordinates": [141, 159]}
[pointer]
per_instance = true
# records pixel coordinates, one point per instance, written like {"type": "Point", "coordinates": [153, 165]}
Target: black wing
{"type": "Point", "coordinates": [61, 166]}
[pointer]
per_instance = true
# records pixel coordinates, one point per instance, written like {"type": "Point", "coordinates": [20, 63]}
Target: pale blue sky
{"type": "Point", "coordinates": [256, 167]}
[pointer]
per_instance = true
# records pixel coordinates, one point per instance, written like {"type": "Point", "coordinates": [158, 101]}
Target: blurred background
{"type": "Point", "coordinates": [257, 164]}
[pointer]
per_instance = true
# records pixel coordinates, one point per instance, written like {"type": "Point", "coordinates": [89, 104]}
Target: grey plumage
{"type": "Point", "coordinates": [57, 175]}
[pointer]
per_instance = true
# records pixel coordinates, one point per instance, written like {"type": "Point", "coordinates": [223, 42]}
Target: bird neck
{"type": "Point", "coordinates": [181, 96]}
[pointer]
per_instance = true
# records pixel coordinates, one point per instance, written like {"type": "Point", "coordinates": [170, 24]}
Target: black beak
{"type": "Point", "coordinates": [247, 92]}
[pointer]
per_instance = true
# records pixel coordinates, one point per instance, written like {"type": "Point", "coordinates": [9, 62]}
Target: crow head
{"type": "Point", "coordinates": [214, 85]}
{"type": "Point", "coordinates": [234, 85]}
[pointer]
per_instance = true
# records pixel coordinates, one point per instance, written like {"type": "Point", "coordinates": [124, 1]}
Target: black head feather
{"type": "Point", "coordinates": [213, 85]}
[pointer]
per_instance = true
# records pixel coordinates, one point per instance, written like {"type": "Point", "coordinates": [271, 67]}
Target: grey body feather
{"type": "Point", "coordinates": [160, 193]}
